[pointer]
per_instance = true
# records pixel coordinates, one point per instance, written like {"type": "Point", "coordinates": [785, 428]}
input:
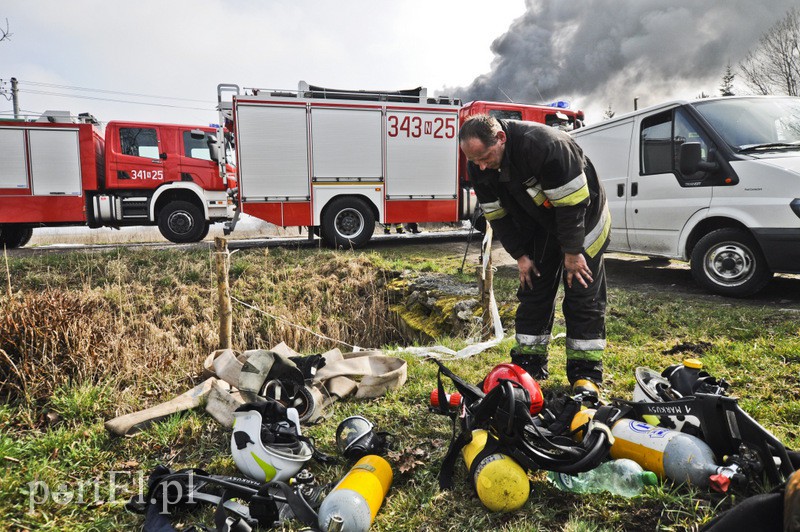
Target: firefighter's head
{"type": "Point", "coordinates": [483, 141]}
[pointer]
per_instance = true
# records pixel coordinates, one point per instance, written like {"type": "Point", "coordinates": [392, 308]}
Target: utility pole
{"type": "Point", "coordinates": [15, 97]}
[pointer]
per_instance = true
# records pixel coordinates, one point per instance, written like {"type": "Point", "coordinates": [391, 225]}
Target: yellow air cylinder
{"type": "Point", "coordinates": [354, 502]}
{"type": "Point", "coordinates": [501, 483]}
{"type": "Point", "coordinates": [668, 453]}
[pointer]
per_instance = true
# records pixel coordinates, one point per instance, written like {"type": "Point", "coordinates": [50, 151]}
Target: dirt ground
{"type": "Point", "coordinates": [670, 276]}
{"type": "Point", "coordinates": [645, 274]}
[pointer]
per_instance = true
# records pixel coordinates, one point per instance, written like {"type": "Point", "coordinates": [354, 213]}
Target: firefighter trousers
{"type": "Point", "coordinates": [584, 312]}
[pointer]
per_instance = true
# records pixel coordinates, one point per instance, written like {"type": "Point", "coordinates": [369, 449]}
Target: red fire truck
{"type": "Point", "coordinates": [59, 170]}
{"type": "Point", "coordinates": [338, 161]}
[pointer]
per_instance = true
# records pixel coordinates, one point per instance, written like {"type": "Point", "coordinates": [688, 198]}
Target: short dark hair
{"type": "Point", "coordinates": [481, 127]}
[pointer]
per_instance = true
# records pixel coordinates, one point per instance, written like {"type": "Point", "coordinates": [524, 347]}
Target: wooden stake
{"type": "Point", "coordinates": [8, 271]}
{"type": "Point", "coordinates": [223, 293]}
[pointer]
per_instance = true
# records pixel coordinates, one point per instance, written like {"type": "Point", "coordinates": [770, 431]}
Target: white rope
{"type": "Point", "coordinates": [295, 325]}
{"type": "Point", "coordinates": [436, 351]}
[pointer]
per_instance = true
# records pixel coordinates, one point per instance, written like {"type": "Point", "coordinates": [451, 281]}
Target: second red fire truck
{"type": "Point", "coordinates": [338, 161]}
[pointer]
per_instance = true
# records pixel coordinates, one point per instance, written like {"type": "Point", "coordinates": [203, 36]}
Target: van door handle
{"type": "Point", "coordinates": [634, 188]}
{"type": "Point", "coordinates": [620, 190]}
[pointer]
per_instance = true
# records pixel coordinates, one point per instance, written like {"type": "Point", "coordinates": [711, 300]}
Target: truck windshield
{"type": "Point", "coordinates": [755, 124]}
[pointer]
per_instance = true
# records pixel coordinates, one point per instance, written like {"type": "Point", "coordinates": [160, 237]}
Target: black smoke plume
{"type": "Point", "coordinates": [601, 53]}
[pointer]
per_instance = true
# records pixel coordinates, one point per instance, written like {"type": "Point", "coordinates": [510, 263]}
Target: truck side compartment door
{"type": "Point", "coordinates": [55, 162]}
{"type": "Point", "coordinates": [661, 204]}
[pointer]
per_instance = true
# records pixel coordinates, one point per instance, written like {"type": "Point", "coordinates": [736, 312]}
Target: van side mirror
{"type": "Point", "coordinates": [197, 134]}
{"type": "Point", "coordinates": [690, 160]}
{"type": "Point", "coordinates": [690, 155]}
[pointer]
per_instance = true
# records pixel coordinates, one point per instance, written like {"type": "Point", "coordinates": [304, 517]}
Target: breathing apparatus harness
{"type": "Point", "coordinates": [733, 435]}
{"type": "Point", "coordinates": [241, 504]}
{"type": "Point", "coordinates": [541, 442]}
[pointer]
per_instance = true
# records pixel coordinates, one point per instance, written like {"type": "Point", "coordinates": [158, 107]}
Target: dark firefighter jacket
{"type": "Point", "coordinates": [545, 183]}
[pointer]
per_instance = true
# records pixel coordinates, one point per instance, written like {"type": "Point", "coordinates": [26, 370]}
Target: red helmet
{"type": "Point", "coordinates": [512, 372]}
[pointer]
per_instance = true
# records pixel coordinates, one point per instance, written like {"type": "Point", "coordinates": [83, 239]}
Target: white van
{"type": "Point", "coordinates": [715, 181]}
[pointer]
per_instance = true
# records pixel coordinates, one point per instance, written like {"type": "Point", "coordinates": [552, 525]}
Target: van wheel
{"type": "Point", "coordinates": [729, 262]}
{"type": "Point", "coordinates": [181, 222]}
{"type": "Point", "coordinates": [347, 222]}
{"type": "Point", "coordinates": [13, 236]}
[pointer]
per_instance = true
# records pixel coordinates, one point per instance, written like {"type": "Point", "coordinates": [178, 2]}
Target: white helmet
{"type": "Point", "coordinates": [265, 444]}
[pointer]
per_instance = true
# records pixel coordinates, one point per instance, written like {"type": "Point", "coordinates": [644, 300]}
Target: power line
{"type": "Point", "coordinates": [48, 93]}
{"type": "Point", "coordinates": [105, 91]}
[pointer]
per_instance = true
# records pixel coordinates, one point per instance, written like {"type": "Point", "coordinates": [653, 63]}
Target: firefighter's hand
{"type": "Point", "coordinates": [576, 267]}
{"type": "Point", "coordinates": [527, 269]}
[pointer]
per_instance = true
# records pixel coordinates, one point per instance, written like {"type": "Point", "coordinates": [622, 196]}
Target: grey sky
{"type": "Point", "coordinates": [184, 48]}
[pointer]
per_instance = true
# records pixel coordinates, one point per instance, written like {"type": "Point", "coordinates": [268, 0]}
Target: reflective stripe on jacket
{"type": "Point", "coordinates": [544, 183]}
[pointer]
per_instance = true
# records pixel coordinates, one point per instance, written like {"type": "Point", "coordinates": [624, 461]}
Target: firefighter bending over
{"type": "Point", "coordinates": [547, 206]}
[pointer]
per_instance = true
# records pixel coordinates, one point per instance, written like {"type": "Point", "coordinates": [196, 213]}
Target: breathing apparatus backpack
{"type": "Point", "coordinates": [541, 442]}
{"type": "Point", "coordinates": [687, 399]}
{"type": "Point", "coordinates": [241, 504]}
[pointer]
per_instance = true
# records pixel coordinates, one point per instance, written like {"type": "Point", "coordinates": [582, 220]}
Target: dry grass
{"type": "Point", "coordinates": [336, 294]}
{"type": "Point", "coordinates": [146, 320]}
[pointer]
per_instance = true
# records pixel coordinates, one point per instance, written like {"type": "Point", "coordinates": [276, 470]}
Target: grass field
{"type": "Point", "coordinates": [88, 336]}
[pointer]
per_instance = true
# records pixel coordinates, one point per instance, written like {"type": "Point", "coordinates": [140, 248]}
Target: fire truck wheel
{"type": "Point", "coordinates": [347, 222]}
{"type": "Point", "coordinates": [13, 236]}
{"type": "Point", "coordinates": [182, 222]}
{"type": "Point", "coordinates": [205, 231]}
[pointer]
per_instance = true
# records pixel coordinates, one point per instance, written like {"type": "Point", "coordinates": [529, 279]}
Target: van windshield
{"type": "Point", "coordinates": [755, 124]}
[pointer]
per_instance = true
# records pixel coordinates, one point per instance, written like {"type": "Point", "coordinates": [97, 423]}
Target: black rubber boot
{"type": "Point", "coordinates": [535, 365]}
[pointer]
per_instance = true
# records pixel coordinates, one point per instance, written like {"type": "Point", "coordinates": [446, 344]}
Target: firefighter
{"type": "Point", "coordinates": [548, 208]}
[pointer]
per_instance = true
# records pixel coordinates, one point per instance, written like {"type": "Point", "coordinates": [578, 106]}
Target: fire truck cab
{"type": "Point", "coordinates": [60, 170]}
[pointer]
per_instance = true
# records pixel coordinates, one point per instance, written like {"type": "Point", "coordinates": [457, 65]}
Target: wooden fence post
{"type": "Point", "coordinates": [223, 293]}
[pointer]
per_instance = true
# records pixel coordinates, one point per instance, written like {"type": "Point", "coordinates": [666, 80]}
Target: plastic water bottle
{"type": "Point", "coordinates": [619, 477]}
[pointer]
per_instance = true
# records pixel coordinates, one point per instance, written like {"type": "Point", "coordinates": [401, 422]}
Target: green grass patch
{"type": "Point", "coordinates": [86, 337]}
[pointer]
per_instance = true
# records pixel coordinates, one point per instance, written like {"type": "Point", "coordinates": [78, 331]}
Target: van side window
{"type": "Point", "coordinates": [661, 139]}
{"type": "Point", "coordinates": [656, 144]}
{"type": "Point", "coordinates": [196, 148]}
{"type": "Point", "coordinates": [139, 142]}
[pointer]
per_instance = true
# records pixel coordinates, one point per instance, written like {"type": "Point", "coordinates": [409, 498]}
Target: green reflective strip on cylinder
{"type": "Point", "coordinates": [595, 355]}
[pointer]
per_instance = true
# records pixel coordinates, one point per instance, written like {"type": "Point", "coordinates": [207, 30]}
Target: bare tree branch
{"type": "Point", "coordinates": [4, 33]}
{"type": "Point", "coordinates": [773, 67]}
